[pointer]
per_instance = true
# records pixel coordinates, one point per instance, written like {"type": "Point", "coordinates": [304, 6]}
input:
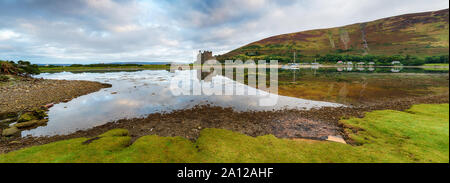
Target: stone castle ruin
{"type": "Point", "coordinates": [204, 56]}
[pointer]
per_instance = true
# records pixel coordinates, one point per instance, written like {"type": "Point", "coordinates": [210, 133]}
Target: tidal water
{"type": "Point", "coordinates": [139, 93]}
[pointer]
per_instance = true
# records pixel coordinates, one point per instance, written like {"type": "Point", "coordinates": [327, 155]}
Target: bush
{"type": "Point", "coordinates": [436, 59]}
{"type": "Point", "coordinates": [27, 68]}
{"type": "Point", "coordinates": [21, 68]}
{"type": "Point", "coordinates": [8, 68]}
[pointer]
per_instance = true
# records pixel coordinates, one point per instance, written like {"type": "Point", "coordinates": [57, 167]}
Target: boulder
{"type": "Point", "coordinates": [36, 114]}
{"type": "Point", "coordinates": [6, 115]}
{"type": "Point", "coordinates": [28, 116]}
{"type": "Point", "coordinates": [39, 114]}
{"type": "Point", "coordinates": [31, 123]}
{"type": "Point", "coordinates": [10, 120]}
{"type": "Point", "coordinates": [10, 131]}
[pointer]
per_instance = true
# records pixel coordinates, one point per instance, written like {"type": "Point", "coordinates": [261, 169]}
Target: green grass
{"type": "Point", "coordinates": [437, 67]}
{"type": "Point", "coordinates": [420, 134]}
{"type": "Point", "coordinates": [444, 65]}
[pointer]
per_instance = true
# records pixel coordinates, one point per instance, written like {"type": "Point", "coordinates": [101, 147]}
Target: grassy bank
{"type": "Point", "coordinates": [443, 65]}
{"type": "Point", "coordinates": [436, 67]}
{"type": "Point", "coordinates": [420, 134]}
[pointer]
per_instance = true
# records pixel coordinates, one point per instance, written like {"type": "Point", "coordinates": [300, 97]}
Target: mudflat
{"type": "Point", "coordinates": [20, 94]}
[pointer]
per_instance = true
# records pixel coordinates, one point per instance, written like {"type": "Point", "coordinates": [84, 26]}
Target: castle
{"type": "Point", "coordinates": [204, 56]}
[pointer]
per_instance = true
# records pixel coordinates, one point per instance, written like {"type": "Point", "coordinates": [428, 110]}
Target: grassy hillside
{"type": "Point", "coordinates": [419, 134]}
{"type": "Point", "coordinates": [419, 34]}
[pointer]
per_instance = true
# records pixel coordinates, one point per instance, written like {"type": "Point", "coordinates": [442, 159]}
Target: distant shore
{"type": "Point", "coordinates": [113, 68]}
{"type": "Point", "coordinates": [167, 67]}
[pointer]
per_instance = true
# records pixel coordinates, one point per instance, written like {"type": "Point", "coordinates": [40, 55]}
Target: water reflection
{"type": "Point", "coordinates": [136, 94]}
{"type": "Point", "coordinates": [361, 85]}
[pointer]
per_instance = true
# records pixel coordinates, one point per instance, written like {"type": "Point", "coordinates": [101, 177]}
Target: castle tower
{"type": "Point", "coordinates": [204, 56]}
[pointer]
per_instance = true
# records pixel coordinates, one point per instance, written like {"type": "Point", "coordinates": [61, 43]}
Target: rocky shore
{"type": "Point", "coordinates": [24, 100]}
{"type": "Point", "coordinates": [312, 124]}
{"type": "Point", "coordinates": [28, 93]}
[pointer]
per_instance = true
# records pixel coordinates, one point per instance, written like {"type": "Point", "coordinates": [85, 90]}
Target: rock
{"type": "Point", "coordinates": [8, 115]}
{"type": "Point", "coordinates": [36, 114]}
{"type": "Point", "coordinates": [338, 139]}
{"type": "Point", "coordinates": [66, 100]}
{"type": "Point", "coordinates": [31, 123]}
{"type": "Point", "coordinates": [39, 114]}
{"type": "Point", "coordinates": [48, 106]}
{"type": "Point", "coordinates": [10, 131]}
{"type": "Point", "coordinates": [14, 142]}
{"type": "Point", "coordinates": [113, 93]}
{"type": "Point", "coordinates": [28, 116]}
{"type": "Point", "coordinates": [10, 120]}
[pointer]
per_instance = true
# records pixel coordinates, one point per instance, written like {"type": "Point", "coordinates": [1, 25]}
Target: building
{"type": "Point", "coordinates": [204, 56]}
{"type": "Point", "coordinates": [396, 63]}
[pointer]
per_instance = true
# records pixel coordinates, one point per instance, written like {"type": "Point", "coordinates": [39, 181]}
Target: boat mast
{"type": "Point", "coordinates": [295, 54]}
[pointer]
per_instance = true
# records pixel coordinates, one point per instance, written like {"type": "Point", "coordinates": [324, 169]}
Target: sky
{"type": "Point", "coordinates": [102, 31]}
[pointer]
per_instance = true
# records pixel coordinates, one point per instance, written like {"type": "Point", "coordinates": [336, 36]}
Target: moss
{"type": "Point", "coordinates": [31, 123]}
{"type": "Point", "coordinates": [39, 113]}
{"type": "Point", "coordinates": [28, 116]}
{"type": "Point", "coordinates": [36, 114]}
{"type": "Point", "coordinates": [420, 134]}
{"type": "Point", "coordinates": [4, 78]}
{"type": "Point", "coordinates": [115, 133]}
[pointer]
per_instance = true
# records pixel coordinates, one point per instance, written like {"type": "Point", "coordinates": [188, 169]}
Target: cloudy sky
{"type": "Point", "coordinates": [93, 31]}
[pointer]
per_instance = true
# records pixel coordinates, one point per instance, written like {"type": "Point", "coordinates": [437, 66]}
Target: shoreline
{"type": "Point", "coordinates": [165, 67]}
{"type": "Point", "coordinates": [21, 94]}
{"type": "Point", "coordinates": [291, 124]}
{"type": "Point", "coordinates": [24, 94]}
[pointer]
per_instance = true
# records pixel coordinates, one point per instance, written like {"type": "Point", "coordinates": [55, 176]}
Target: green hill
{"type": "Point", "coordinates": [418, 35]}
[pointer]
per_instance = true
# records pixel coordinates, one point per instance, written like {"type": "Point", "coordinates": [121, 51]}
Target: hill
{"type": "Point", "coordinates": [418, 35]}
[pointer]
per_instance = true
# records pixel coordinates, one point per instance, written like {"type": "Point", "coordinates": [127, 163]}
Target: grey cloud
{"type": "Point", "coordinates": [83, 31]}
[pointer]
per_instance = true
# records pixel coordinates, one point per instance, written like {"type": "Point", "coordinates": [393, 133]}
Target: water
{"type": "Point", "coordinates": [137, 94]}
{"type": "Point", "coordinates": [362, 86]}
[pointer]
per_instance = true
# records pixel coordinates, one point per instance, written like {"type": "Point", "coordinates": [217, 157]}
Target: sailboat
{"type": "Point", "coordinates": [292, 65]}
